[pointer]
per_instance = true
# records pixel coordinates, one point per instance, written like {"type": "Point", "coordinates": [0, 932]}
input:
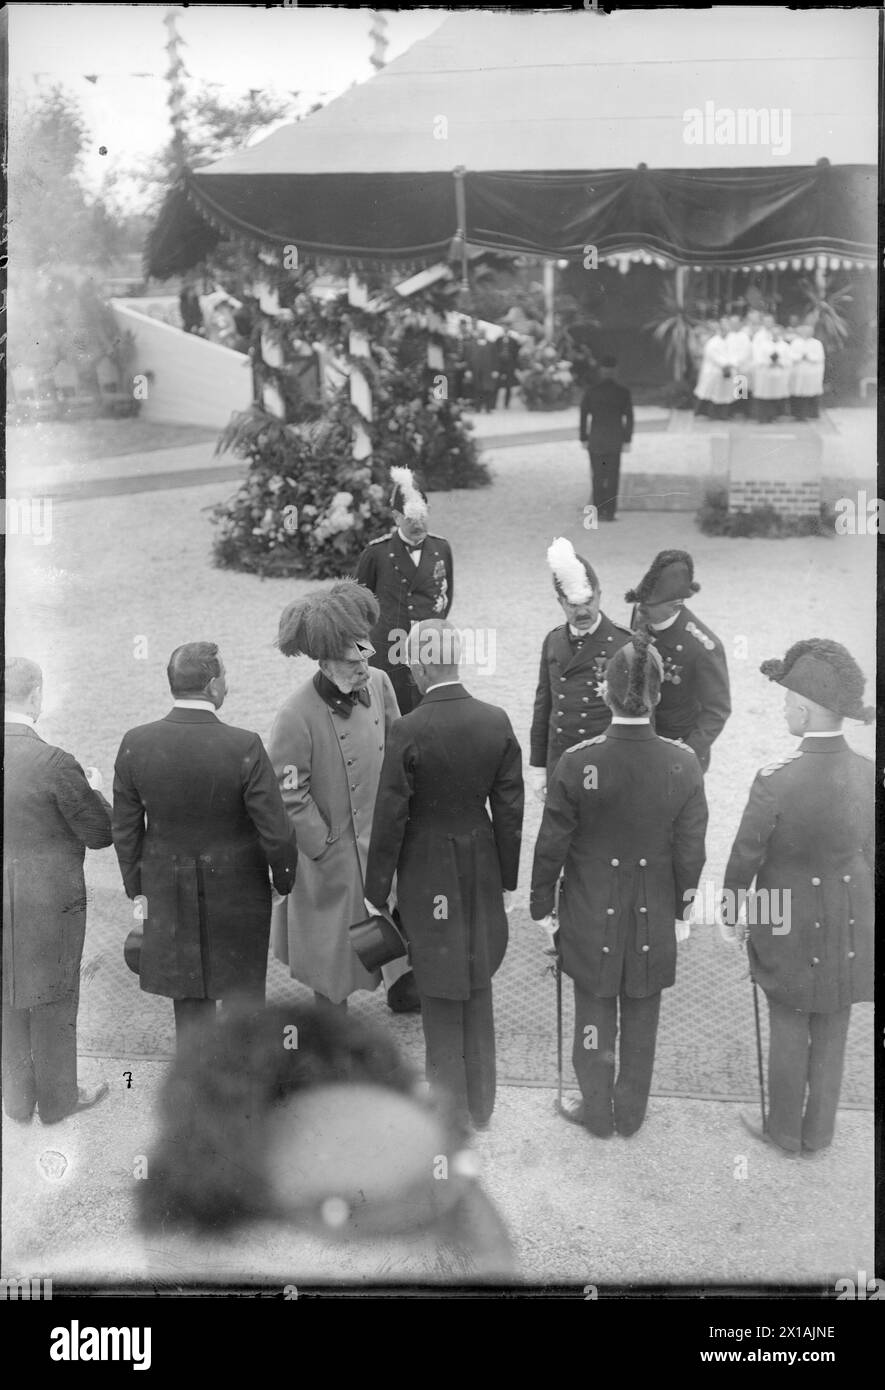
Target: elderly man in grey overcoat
{"type": "Point", "coordinates": [327, 746]}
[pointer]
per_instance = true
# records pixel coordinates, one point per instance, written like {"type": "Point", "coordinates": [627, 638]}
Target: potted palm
{"type": "Point", "coordinates": [672, 325]}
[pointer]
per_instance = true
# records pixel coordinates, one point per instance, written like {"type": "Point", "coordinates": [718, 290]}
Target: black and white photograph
{"type": "Point", "coordinates": [441, 519]}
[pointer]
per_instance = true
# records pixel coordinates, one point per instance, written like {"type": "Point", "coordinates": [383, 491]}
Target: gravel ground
{"type": "Point", "coordinates": [126, 579]}
{"type": "Point", "coordinates": [690, 1199]}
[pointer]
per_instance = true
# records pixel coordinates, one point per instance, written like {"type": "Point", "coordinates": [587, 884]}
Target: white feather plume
{"type": "Point", "coordinates": [568, 571]}
{"type": "Point", "coordinates": [414, 505]}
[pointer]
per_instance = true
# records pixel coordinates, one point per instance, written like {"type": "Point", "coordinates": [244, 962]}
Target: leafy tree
{"type": "Point", "coordinates": [51, 219]}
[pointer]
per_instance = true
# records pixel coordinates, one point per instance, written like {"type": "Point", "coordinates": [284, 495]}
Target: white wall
{"type": "Point", "coordinates": [195, 382]}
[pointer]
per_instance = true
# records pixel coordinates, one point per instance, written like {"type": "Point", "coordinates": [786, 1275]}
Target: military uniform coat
{"type": "Point", "coordinates": [568, 703]}
{"type": "Point", "coordinates": [51, 817]}
{"type": "Point", "coordinates": [448, 761]}
{"type": "Point", "coordinates": [695, 692]}
{"type": "Point", "coordinates": [328, 767]}
{"type": "Point", "coordinates": [808, 830]}
{"type": "Point", "coordinates": [198, 820]}
{"type": "Point", "coordinates": [609, 408]}
{"type": "Point", "coordinates": [406, 594]}
{"type": "Point", "coordinates": [624, 821]}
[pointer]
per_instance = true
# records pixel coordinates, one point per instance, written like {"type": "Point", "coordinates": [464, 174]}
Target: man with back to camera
{"type": "Point", "coordinates": [624, 822]}
{"type": "Point", "coordinates": [198, 822]}
{"type": "Point", "coordinates": [609, 407]}
{"type": "Point", "coordinates": [51, 817]}
{"type": "Point", "coordinates": [456, 862]}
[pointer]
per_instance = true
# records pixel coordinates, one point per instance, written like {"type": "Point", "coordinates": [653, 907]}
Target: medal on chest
{"type": "Point", "coordinates": [442, 586]}
{"type": "Point", "coordinates": [672, 672]}
{"type": "Point", "coordinates": [599, 665]}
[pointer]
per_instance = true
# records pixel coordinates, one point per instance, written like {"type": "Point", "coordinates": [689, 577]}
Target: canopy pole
{"type": "Point", "coordinates": [549, 295]}
{"type": "Point", "coordinates": [360, 391]}
{"type": "Point", "coordinates": [461, 220]}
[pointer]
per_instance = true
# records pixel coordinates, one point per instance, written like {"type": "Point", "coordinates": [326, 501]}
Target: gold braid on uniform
{"type": "Point", "coordinates": [322, 625]}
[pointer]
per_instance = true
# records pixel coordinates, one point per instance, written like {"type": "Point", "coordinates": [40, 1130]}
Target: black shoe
{"type": "Point", "coordinates": [576, 1115]}
{"type": "Point", "coordinates": [628, 1133]}
{"type": "Point", "coordinates": [402, 997]}
{"type": "Point", "coordinates": [85, 1100]}
{"type": "Point", "coordinates": [754, 1127]}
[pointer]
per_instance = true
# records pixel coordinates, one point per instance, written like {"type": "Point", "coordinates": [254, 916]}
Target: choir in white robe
{"type": "Point", "coordinates": [712, 385]}
{"type": "Point", "coordinates": [808, 359]}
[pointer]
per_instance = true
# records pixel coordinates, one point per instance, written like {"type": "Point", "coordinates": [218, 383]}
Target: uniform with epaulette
{"type": "Point", "coordinates": [411, 582]}
{"type": "Point", "coordinates": [695, 696]}
{"type": "Point", "coordinates": [624, 822]}
{"type": "Point", "coordinates": [807, 838]}
{"type": "Point", "coordinates": [568, 702]}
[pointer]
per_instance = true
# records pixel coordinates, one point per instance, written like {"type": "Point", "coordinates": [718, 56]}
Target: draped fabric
{"type": "Point", "coordinates": [700, 136]}
{"type": "Point", "coordinates": [724, 217]}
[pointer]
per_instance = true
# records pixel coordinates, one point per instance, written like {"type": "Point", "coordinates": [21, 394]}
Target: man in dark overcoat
{"type": "Point", "coordinates": [198, 821]}
{"type": "Point", "coordinates": [568, 702]}
{"type": "Point", "coordinates": [609, 408]}
{"type": "Point", "coordinates": [696, 694]}
{"type": "Point", "coordinates": [456, 861]}
{"type": "Point", "coordinates": [624, 820]}
{"type": "Point", "coordinates": [807, 837]}
{"type": "Point", "coordinates": [51, 817]}
{"type": "Point", "coordinates": [409, 571]}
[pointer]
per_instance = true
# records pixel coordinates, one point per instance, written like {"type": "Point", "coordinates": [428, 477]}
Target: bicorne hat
{"type": "Point", "coordinates": [670, 576]}
{"type": "Point", "coordinates": [824, 672]}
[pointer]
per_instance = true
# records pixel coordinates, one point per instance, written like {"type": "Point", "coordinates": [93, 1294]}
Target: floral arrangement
{"type": "Point", "coordinates": [306, 506]}
{"type": "Point", "coordinates": [545, 381]}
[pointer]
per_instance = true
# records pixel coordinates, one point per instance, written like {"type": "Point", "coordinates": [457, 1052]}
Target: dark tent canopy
{"type": "Point", "coordinates": [719, 137]}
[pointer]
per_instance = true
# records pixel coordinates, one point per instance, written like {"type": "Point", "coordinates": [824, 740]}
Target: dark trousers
{"type": "Point", "coordinates": [805, 1058]}
{"type": "Point", "coordinates": [805, 407]}
{"type": "Point", "coordinates": [605, 470]}
{"type": "Point", "coordinates": [767, 410]}
{"type": "Point", "coordinates": [459, 1038]}
{"type": "Point", "coordinates": [40, 1059]}
{"type": "Point", "coordinates": [611, 1104]}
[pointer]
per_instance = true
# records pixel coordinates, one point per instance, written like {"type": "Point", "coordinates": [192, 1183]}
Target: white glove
{"type": "Point", "coordinates": [538, 781]}
{"type": "Point", "coordinates": [625, 448]}
{"type": "Point", "coordinates": [736, 935]}
{"type": "Point", "coordinates": [94, 778]}
{"type": "Point", "coordinates": [549, 924]}
{"type": "Point", "coordinates": [275, 897]}
{"type": "Point", "coordinates": [508, 902]}
{"type": "Point", "coordinates": [683, 930]}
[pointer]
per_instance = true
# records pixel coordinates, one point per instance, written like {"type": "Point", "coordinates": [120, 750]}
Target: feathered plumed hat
{"type": "Point", "coordinates": [322, 625]}
{"type": "Point", "coordinates": [407, 497]}
{"type": "Point", "coordinates": [574, 578]}
{"type": "Point", "coordinates": [670, 576]}
{"type": "Point", "coordinates": [824, 672]}
{"type": "Point", "coordinates": [634, 674]}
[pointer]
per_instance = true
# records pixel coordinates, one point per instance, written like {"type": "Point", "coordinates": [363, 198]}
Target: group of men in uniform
{"type": "Point", "coordinates": [397, 789]}
{"type": "Point", "coordinates": [623, 724]}
{"type": "Point", "coordinates": [758, 367]}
